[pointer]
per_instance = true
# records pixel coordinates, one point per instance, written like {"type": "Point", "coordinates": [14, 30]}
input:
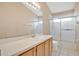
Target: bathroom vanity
{"type": "Point", "coordinates": [39, 45]}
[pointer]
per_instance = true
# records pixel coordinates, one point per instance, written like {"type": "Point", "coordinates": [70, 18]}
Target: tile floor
{"type": "Point", "coordinates": [61, 48]}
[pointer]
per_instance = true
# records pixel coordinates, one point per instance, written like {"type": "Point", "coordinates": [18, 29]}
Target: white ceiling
{"type": "Point", "coordinates": [56, 7]}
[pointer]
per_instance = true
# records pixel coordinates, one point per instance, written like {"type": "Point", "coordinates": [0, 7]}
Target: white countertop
{"type": "Point", "coordinates": [20, 44]}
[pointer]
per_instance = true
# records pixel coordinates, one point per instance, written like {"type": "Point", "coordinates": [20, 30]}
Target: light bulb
{"type": "Point", "coordinates": [34, 3]}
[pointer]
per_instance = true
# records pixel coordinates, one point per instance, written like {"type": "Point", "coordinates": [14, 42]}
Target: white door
{"type": "Point", "coordinates": [68, 29]}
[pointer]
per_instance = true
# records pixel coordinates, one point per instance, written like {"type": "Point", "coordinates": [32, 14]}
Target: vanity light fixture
{"type": "Point", "coordinates": [33, 5]}
{"type": "Point", "coordinates": [28, 4]}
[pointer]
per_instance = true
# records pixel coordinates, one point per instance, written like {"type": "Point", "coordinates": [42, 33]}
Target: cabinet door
{"type": "Point", "coordinates": [28, 53]}
{"type": "Point", "coordinates": [51, 47]}
{"type": "Point", "coordinates": [35, 51]}
{"type": "Point", "coordinates": [40, 50]}
{"type": "Point", "coordinates": [47, 48]}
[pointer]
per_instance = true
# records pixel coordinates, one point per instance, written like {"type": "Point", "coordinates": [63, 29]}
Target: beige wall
{"type": "Point", "coordinates": [46, 13]}
{"type": "Point", "coordinates": [77, 26]}
{"type": "Point", "coordinates": [15, 19]}
{"type": "Point", "coordinates": [77, 19]}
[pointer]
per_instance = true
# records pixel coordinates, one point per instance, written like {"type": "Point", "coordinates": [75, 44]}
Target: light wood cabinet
{"type": "Point", "coordinates": [40, 50]}
{"type": "Point", "coordinates": [43, 49]}
{"type": "Point", "coordinates": [28, 53]}
{"type": "Point", "coordinates": [51, 47]}
{"type": "Point", "coordinates": [35, 51]}
{"type": "Point", "coordinates": [47, 48]}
